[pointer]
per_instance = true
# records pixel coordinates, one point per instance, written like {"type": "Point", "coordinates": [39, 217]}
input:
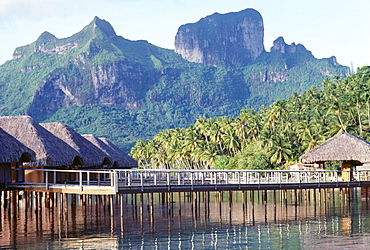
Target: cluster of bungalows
{"type": "Point", "coordinates": [27, 145]}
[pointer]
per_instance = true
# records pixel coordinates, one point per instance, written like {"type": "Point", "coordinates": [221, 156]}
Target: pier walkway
{"type": "Point", "coordinates": [153, 181]}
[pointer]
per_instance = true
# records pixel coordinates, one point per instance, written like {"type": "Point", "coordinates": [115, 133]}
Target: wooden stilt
{"type": "Point", "coordinates": [179, 203]}
{"type": "Point", "coordinates": [252, 204]}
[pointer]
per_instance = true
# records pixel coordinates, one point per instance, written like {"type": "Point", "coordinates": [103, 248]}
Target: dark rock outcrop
{"type": "Point", "coordinates": [280, 45]}
{"type": "Point", "coordinates": [236, 38]}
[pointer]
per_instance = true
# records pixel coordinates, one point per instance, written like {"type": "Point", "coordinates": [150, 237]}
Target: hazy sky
{"type": "Point", "coordinates": [325, 27]}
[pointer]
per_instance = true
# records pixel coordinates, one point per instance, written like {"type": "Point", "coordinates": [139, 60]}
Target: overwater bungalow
{"type": "Point", "coordinates": [350, 149]}
{"type": "Point", "coordinates": [92, 156]}
{"type": "Point", "coordinates": [56, 146]}
{"type": "Point", "coordinates": [12, 154]}
{"type": "Point", "coordinates": [119, 157]}
{"type": "Point", "coordinates": [51, 152]}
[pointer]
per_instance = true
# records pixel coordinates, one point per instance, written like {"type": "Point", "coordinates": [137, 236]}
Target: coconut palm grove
{"type": "Point", "coordinates": [270, 138]}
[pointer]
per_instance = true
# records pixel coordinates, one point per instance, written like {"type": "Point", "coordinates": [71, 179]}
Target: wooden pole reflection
{"type": "Point", "coordinates": [252, 204]}
{"type": "Point", "coordinates": [61, 215]}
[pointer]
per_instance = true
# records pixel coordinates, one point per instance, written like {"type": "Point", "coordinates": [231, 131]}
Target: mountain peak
{"type": "Point", "coordinates": [101, 25]}
{"type": "Point", "coordinates": [45, 38]}
{"type": "Point", "coordinates": [281, 46]}
{"type": "Point", "coordinates": [235, 37]}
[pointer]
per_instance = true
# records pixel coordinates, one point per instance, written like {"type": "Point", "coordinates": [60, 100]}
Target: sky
{"type": "Point", "coordinates": [325, 27]}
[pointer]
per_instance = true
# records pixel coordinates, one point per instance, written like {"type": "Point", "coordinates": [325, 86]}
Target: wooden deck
{"type": "Point", "coordinates": [152, 181]}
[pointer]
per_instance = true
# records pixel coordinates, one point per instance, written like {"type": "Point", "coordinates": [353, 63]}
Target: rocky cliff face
{"type": "Point", "coordinates": [233, 38]}
{"type": "Point", "coordinates": [117, 84]}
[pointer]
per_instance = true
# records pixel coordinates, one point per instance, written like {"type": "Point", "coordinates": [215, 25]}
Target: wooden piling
{"type": "Point", "coordinates": [230, 197]}
{"type": "Point", "coordinates": [179, 205]}
{"type": "Point", "coordinates": [122, 213]}
{"type": "Point", "coordinates": [367, 194]}
{"type": "Point", "coordinates": [252, 204]}
{"type": "Point", "coordinates": [295, 197]}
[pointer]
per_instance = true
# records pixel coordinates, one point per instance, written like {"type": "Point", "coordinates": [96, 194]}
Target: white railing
{"type": "Point", "coordinates": [114, 179]}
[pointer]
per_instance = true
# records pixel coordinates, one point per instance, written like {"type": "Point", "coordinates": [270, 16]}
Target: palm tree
{"type": "Point", "coordinates": [231, 141]}
{"type": "Point", "coordinates": [310, 135]}
{"type": "Point", "coordinates": [280, 150]}
{"type": "Point", "coordinates": [337, 107]}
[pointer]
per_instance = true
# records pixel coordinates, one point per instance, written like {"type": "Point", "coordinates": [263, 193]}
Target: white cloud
{"type": "Point", "coordinates": [37, 10]}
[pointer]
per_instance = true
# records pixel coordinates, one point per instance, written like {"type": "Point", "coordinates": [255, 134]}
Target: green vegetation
{"type": "Point", "coordinates": [52, 80]}
{"type": "Point", "coordinates": [275, 136]}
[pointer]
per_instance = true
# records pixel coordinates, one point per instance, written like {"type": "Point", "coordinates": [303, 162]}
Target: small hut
{"type": "Point", "coordinates": [51, 152]}
{"type": "Point", "coordinates": [119, 157]}
{"type": "Point", "coordinates": [12, 154]}
{"type": "Point", "coordinates": [93, 157]}
{"type": "Point", "coordinates": [345, 147]}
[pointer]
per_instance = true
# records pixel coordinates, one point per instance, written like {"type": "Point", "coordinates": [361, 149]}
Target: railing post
{"type": "Point", "coordinates": [88, 178]}
{"type": "Point", "coordinates": [192, 180]}
{"type": "Point", "coordinates": [215, 180]}
{"type": "Point", "coordinates": [55, 177]}
{"type": "Point", "coordinates": [80, 176]}
{"type": "Point", "coordinates": [47, 180]}
{"type": "Point", "coordinates": [280, 176]}
{"type": "Point", "coordinates": [168, 180]}
{"type": "Point", "coordinates": [239, 179]}
{"type": "Point", "coordinates": [358, 177]}
{"type": "Point", "coordinates": [141, 181]}
{"type": "Point", "coordinates": [115, 181]}
{"type": "Point", "coordinates": [305, 177]}
{"type": "Point", "coordinates": [112, 181]}
{"type": "Point", "coordinates": [129, 178]}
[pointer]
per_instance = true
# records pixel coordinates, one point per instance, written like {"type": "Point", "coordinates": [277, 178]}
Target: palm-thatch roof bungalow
{"type": "Point", "coordinates": [92, 156]}
{"type": "Point", "coordinates": [345, 147]}
{"type": "Point", "coordinates": [51, 152]}
{"type": "Point", "coordinates": [12, 153]}
{"type": "Point", "coordinates": [119, 158]}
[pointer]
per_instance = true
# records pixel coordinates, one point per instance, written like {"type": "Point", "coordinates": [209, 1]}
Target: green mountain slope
{"type": "Point", "coordinates": [101, 83]}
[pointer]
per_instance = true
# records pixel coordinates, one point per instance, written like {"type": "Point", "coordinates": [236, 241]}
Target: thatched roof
{"type": "Point", "coordinates": [50, 150]}
{"type": "Point", "coordinates": [343, 147]}
{"type": "Point", "coordinates": [92, 156]}
{"type": "Point", "coordinates": [12, 150]}
{"type": "Point", "coordinates": [119, 157]}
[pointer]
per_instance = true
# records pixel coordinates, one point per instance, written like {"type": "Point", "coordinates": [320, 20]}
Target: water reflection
{"type": "Point", "coordinates": [205, 220]}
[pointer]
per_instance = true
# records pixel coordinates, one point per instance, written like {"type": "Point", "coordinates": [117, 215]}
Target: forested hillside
{"type": "Point", "coordinates": [268, 138]}
{"type": "Point", "coordinates": [98, 82]}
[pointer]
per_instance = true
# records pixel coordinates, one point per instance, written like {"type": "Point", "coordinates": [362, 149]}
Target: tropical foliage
{"type": "Point", "coordinates": [270, 138]}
